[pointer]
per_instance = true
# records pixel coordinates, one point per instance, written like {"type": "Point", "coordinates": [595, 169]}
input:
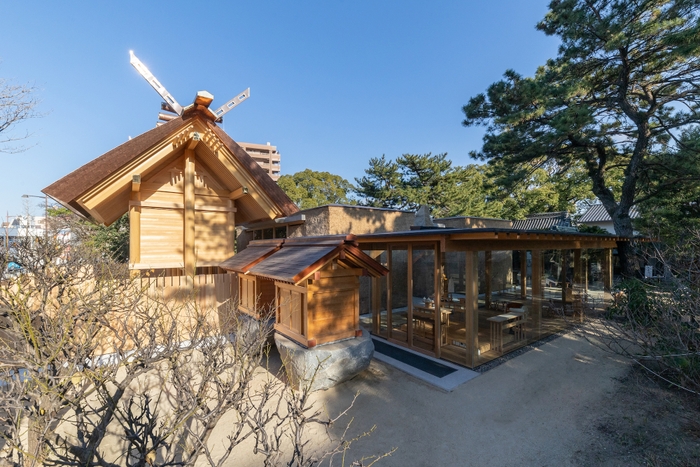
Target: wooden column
{"type": "Point", "coordinates": [135, 222]}
{"type": "Point", "coordinates": [523, 274]}
{"type": "Point", "coordinates": [437, 329]}
{"type": "Point", "coordinates": [607, 273]}
{"type": "Point", "coordinates": [409, 291]}
{"type": "Point", "coordinates": [537, 290]}
{"type": "Point", "coordinates": [537, 293]}
{"type": "Point", "coordinates": [389, 278]}
{"type": "Point", "coordinates": [578, 278]}
{"type": "Point", "coordinates": [471, 306]}
{"type": "Point", "coordinates": [188, 237]}
{"type": "Point", "coordinates": [231, 227]}
{"type": "Point", "coordinates": [488, 271]}
{"type": "Point", "coordinates": [562, 275]}
{"type": "Point", "coordinates": [375, 303]}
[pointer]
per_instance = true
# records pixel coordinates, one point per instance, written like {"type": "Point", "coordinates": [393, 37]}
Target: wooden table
{"type": "Point", "coordinates": [513, 320]}
{"type": "Point", "coordinates": [425, 314]}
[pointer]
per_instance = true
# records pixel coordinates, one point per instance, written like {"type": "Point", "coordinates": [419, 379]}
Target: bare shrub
{"type": "Point", "coordinates": [96, 371]}
{"type": "Point", "coordinates": [656, 323]}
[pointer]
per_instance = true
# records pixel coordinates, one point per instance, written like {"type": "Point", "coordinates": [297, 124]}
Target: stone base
{"type": "Point", "coordinates": [248, 329]}
{"type": "Point", "coordinates": [325, 365]}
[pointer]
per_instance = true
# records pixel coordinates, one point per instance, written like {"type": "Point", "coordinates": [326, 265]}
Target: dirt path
{"type": "Point", "coordinates": [562, 404]}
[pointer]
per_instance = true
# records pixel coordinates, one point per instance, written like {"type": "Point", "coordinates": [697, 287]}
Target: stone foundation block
{"type": "Point", "coordinates": [325, 365]}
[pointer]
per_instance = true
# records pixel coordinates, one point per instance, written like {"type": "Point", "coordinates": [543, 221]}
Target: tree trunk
{"type": "Point", "coordinates": [623, 227]}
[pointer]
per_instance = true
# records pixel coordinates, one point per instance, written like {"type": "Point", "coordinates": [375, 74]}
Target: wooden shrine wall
{"type": "Point", "coordinates": [161, 228]}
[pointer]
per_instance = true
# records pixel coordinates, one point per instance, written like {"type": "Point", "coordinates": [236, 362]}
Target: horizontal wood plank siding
{"type": "Point", "coordinates": [161, 235]}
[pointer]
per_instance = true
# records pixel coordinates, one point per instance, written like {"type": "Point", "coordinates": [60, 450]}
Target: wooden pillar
{"type": "Point", "coordinates": [389, 279]}
{"type": "Point", "coordinates": [188, 237]}
{"type": "Point", "coordinates": [607, 273]}
{"type": "Point", "coordinates": [375, 303]}
{"type": "Point", "coordinates": [562, 275]}
{"type": "Point", "coordinates": [471, 307]}
{"type": "Point", "coordinates": [231, 227]}
{"type": "Point", "coordinates": [135, 221]}
{"type": "Point", "coordinates": [537, 290]}
{"type": "Point", "coordinates": [409, 291]}
{"type": "Point", "coordinates": [537, 293]}
{"type": "Point", "coordinates": [488, 272]}
{"type": "Point", "coordinates": [437, 338]}
{"type": "Point", "coordinates": [523, 274]}
{"type": "Point", "coordinates": [578, 278]}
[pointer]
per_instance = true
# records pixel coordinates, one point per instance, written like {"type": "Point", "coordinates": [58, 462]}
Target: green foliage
{"type": "Point", "coordinates": [623, 86]}
{"type": "Point", "coordinates": [592, 229]}
{"type": "Point", "coordinates": [671, 216]}
{"type": "Point", "coordinates": [540, 190]}
{"type": "Point", "coordinates": [633, 298]}
{"type": "Point", "coordinates": [413, 180]}
{"type": "Point", "coordinates": [112, 240]}
{"type": "Point", "coordinates": [309, 189]}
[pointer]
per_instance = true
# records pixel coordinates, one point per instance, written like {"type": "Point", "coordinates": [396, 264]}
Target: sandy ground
{"type": "Point", "coordinates": [541, 408]}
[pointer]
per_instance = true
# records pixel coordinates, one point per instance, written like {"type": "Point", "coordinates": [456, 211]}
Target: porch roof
{"type": "Point", "coordinates": [495, 238]}
{"type": "Point", "coordinates": [297, 258]}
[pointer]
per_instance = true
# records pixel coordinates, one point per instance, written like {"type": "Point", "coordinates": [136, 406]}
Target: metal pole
{"type": "Point", "coordinates": [46, 216]}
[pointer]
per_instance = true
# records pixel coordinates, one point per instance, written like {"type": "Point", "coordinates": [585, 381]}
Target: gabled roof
{"type": "Point", "coordinates": [543, 221]}
{"type": "Point", "coordinates": [597, 213]}
{"type": "Point", "coordinates": [255, 252]}
{"type": "Point", "coordinates": [83, 190]}
{"type": "Point", "coordinates": [298, 258]}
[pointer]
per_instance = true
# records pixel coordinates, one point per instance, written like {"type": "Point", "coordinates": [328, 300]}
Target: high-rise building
{"type": "Point", "coordinates": [266, 156]}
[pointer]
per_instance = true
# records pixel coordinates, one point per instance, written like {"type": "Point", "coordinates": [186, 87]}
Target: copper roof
{"type": "Point", "coordinates": [252, 255]}
{"type": "Point", "coordinates": [83, 178]}
{"type": "Point", "coordinates": [300, 257]}
{"type": "Point", "coordinates": [68, 189]}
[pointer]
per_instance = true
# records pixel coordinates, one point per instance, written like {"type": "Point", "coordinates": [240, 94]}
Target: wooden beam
{"type": "Point", "coordinates": [239, 193]}
{"type": "Point", "coordinates": [136, 183]}
{"type": "Point", "coordinates": [188, 199]}
{"type": "Point", "coordinates": [167, 205]}
{"type": "Point", "coordinates": [196, 138]}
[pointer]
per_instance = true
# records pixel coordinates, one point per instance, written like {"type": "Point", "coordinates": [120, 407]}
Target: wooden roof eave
{"type": "Point", "coordinates": [246, 267]}
{"type": "Point", "coordinates": [86, 188]}
{"type": "Point", "coordinates": [121, 178]}
{"type": "Point", "coordinates": [349, 254]}
{"type": "Point", "coordinates": [270, 192]}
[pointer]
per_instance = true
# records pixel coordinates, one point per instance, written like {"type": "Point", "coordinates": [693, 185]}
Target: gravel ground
{"type": "Point", "coordinates": [562, 402]}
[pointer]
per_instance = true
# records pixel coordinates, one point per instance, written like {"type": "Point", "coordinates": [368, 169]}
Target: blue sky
{"type": "Point", "coordinates": [332, 83]}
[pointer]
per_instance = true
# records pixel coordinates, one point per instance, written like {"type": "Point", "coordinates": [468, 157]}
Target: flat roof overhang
{"type": "Point", "coordinates": [492, 239]}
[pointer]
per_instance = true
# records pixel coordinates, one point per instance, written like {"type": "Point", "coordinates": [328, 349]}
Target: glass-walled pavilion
{"type": "Point", "coordinates": [472, 295]}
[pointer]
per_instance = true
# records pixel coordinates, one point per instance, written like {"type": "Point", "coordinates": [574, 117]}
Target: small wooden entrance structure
{"type": "Point", "coordinates": [316, 285]}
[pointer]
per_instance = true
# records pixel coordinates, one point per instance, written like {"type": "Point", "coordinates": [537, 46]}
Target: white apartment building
{"type": "Point", "coordinates": [266, 156]}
